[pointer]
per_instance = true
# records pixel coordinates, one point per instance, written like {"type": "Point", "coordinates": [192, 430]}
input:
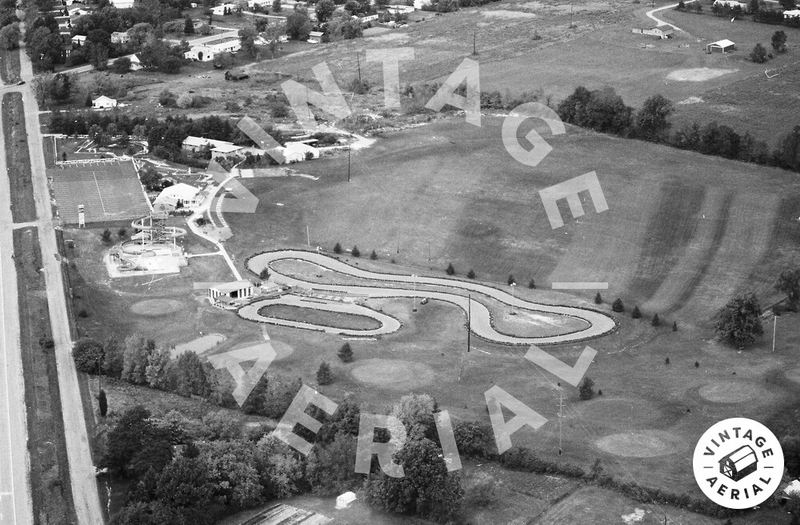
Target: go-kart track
{"type": "Point", "coordinates": [435, 288]}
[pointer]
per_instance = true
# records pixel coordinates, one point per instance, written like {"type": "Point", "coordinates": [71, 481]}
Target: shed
{"type": "Point", "coordinates": [721, 46]}
{"type": "Point", "coordinates": [315, 37]}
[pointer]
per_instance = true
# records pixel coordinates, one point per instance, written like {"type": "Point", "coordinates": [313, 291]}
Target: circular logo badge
{"type": "Point", "coordinates": [738, 463]}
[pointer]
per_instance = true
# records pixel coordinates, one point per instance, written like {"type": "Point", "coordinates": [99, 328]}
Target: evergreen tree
{"type": "Point", "coordinates": [636, 314]}
{"type": "Point", "coordinates": [531, 284]}
{"type": "Point", "coordinates": [188, 26]}
{"type": "Point", "coordinates": [373, 256]}
{"type": "Point", "coordinates": [739, 322]}
{"type": "Point", "coordinates": [102, 403]}
{"type": "Point", "coordinates": [471, 274]}
{"type": "Point", "coordinates": [598, 299]}
{"type": "Point", "coordinates": [355, 252]}
{"type": "Point", "coordinates": [345, 353]}
{"type": "Point", "coordinates": [324, 375]}
{"type": "Point", "coordinates": [337, 248]}
{"type": "Point", "coordinates": [656, 321]}
{"type": "Point", "coordinates": [450, 270]}
{"type": "Point", "coordinates": [586, 389]}
{"type": "Point", "coordinates": [617, 306]}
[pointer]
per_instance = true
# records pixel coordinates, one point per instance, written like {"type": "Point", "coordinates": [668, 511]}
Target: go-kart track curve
{"type": "Point", "coordinates": [598, 323]}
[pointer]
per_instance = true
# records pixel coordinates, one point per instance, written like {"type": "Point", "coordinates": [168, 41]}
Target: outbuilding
{"type": "Point", "coordinates": [104, 102]}
{"type": "Point", "coordinates": [721, 46]}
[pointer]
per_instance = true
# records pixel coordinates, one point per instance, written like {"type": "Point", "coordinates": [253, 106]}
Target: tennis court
{"type": "Point", "coordinates": [109, 191]}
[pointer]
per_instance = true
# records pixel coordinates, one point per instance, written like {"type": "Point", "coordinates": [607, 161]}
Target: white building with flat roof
{"type": "Point", "coordinates": [207, 52]}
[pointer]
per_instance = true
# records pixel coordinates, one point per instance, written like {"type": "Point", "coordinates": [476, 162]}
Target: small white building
{"type": "Point", "coordinates": [79, 40]}
{"type": "Point", "coordinates": [122, 4]}
{"type": "Point", "coordinates": [217, 147]}
{"type": "Point", "coordinates": [207, 52]}
{"type": "Point", "coordinates": [721, 46]}
{"type": "Point", "coordinates": [120, 37]}
{"type": "Point", "coordinates": [229, 292]}
{"type": "Point", "coordinates": [315, 37]}
{"type": "Point", "coordinates": [792, 13]}
{"type": "Point", "coordinates": [180, 194]}
{"type": "Point", "coordinates": [104, 102]}
{"type": "Point", "coordinates": [405, 9]}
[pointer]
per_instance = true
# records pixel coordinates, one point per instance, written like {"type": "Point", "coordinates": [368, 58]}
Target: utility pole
{"type": "Point", "coordinates": [358, 62]}
{"type": "Point", "coordinates": [469, 330]}
{"type": "Point", "coordinates": [348, 163]}
{"type": "Point", "coordinates": [774, 330]}
{"type": "Point", "coordinates": [308, 237]}
{"type": "Point", "coordinates": [560, 416]}
{"type": "Point", "coordinates": [474, 44]}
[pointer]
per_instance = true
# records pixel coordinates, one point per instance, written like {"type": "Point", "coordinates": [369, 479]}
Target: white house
{"type": "Point", "coordinates": [188, 196]}
{"type": "Point", "coordinates": [120, 37]}
{"type": "Point", "coordinates": [79, 40]}
{"type": "Point", "coordinates": [732, 4]}
{"type": "Point", "coordinates": [294, 152]}
{"type": "Point", "coordinates": [122, 4]}
{"type": "Point", "coordinates": [792, 13]}
{"type": "Point", "coordinates": [222, 9]}
{"type": "Point", "coordinates": [104, 102]}
{"type": "Point", "coordinates": [315, 37]}
{"type": "Point", "coordinates": [207, 52]}
{"type": "Point", "coordinates": [662, 32]}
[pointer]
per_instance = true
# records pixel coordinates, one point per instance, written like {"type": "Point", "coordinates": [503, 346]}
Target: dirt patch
{"type": "Point", "coordinates": [156, 307]}
{"type": "Point", "coordinates": [393, 374]}
{"type": "Point", "coordinates": [732, 392]}
{"type": "Point", "coordinates": [698, 74]}
{"type": "Point", "coordinates": [643, 444]}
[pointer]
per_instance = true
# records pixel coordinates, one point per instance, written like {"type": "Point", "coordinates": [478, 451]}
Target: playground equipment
{"type": "Point", "coordinates": [152, 249]}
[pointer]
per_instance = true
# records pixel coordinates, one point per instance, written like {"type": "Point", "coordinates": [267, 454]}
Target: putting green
{"type": "Point", "coordinates": [156, 307]}
{"type": "Point", "coordinates": [640, 444]}
{"type": "Point", "coordinates": [732, 392]}
{"type": "Point", "coordinates": [393, 374]}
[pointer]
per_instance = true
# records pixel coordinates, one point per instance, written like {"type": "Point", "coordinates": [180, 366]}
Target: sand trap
{"type": "Point", "coordinates": [793, 375]}
{"type": "Point", "coordinates": [642, 444]}
{"type": "Point", "coordinates": [393, 374]}
{"type": "Point", "coordinates": [698, 74]}
{"type": "Point", "coordinates": [691, 100]}
{"type": "Point", "coordinates": [156, 307]}
{"type": "Point", "coordinates": [508, 15]}
{"type": "Point", "coordinates": [732, 392]}
{"type": "Point", "coordinates": [619, 413]}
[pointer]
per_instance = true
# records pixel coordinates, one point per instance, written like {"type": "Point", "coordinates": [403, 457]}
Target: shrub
{"type": "Point", "coordinates": [345, 353]}
{"type": "Point", "coordinates": [758, 54]}
{"type": "Point", "coordinates": [598, 299]}
{"type": "Point", "coordinates": [324, 375]}
{"type": "Point", "coordinates": [531, 284]}
{"type": "Point", "coordinates": [511, 280]}
{"type": "Point", "coordinates": [586, 389]}
{"type": "Point", "coordinates": [122, 233]}
{"type": "Point", "coordinates": [471, 274]}
{"type": "Point", "coordinates": [88, 355]}
{"type": "Point", "coordinates": [355, 252]}
{"type": "Point", "coordinates": [106, 236]}
{"type": "Point", "coordinates": [674, 326]}
{"type": "Point", "coordinates": [696, 364]}
{"type": "Point", "coordinates": [450, 270]}
{"type": "Point", "coordinates": [617, 306]}
{"type": "Point", "coordinates": [636, 314]}
{"type": "Point", "coordinates": [83, 314]}
{"type": "Point", "coordinates": [337, 248]}
{"type": "Point", "coordinates": [666, 361]}
{"type": "Point", "coordinates": [263, 274]}
{"type": "Point", "coordinates": [474, 440]}
{"type": "Point", "coordinates": [102, 403]}
{"type": "Point", "coordinates": [373, 256]}
{"type": "Point", "coordinates": [656, 321]}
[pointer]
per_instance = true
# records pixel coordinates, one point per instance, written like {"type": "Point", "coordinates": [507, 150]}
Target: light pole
{"type": "Point", "coordinates": [512, 285]}
{"type": "Point", "coordinates": [774, 329]}
{"type": "Point", "coordinates": [414, 297]}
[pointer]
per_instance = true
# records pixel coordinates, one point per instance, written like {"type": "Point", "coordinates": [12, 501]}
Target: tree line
{"type": "Point", "coordinates": [603, 110]}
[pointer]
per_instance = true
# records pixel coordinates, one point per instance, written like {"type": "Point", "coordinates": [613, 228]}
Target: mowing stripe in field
{"type": "Point", "coordinates": [746, 238]}
{"type": "Point", "coordinates": [605, 247]}
{"type": "Point", "coordinates": [669, 231]}
{"type": "Point", "coordinates": [710, 225]}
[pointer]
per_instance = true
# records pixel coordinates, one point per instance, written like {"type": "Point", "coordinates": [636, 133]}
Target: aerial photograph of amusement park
{"type": "Point", "coordinates": [307, 262]}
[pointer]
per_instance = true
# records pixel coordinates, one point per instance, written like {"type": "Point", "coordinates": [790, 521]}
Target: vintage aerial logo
{"type": "Point", "coordinates": [738, 463]}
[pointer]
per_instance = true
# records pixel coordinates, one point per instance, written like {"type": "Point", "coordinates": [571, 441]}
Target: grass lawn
{"type": "Point", "coordinates": [9, 65]}
{"type": "Point", "coordinates": [23, 207]}
{"type": "Point", "coordinates": [319, 317]}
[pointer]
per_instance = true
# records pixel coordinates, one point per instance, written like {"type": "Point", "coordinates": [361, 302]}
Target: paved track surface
{"type": "Point", "coordinates": [450, 290]}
